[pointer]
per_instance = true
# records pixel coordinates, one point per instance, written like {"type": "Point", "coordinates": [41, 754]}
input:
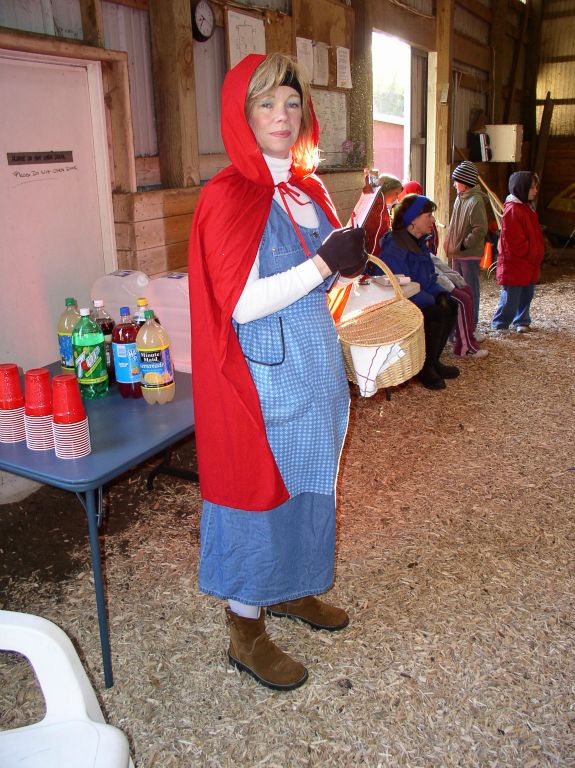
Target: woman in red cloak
{"type": "Point", "coordinates": [271, 398]}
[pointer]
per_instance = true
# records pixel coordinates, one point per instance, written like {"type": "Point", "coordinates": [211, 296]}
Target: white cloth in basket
{"type": "Point", "coordinates": [368, 362]}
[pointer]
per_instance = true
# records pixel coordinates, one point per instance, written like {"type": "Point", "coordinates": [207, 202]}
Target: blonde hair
{"type": "Point", "coordinates": [275, 70]}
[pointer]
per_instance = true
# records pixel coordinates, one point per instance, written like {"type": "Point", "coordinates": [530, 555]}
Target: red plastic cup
{"type": "Point", "coordinates": [11, 395]}
{"type": "Point", "coordinates": [38, 393]}
{"type": "Point", "coordinates": [68, 407]}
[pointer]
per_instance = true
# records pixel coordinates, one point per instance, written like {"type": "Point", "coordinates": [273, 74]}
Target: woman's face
{"type": "Point", "coordinates": [422, 225]}
{"type": "Point", "coordinates": [533, 190]}
{"type": "Point", "coordinates": [276, 120]}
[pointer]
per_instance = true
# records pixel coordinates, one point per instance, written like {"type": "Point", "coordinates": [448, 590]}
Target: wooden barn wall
{"type": "Point", "coordinates": [557, 65]}
{"type": "Point", "coordinates": [488, 72]}
{"type": "Point", "coordinates": [556, 76]}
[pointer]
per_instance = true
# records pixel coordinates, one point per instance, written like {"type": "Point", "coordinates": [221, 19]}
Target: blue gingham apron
{"type": "Point", "coordinates": [261, 558]}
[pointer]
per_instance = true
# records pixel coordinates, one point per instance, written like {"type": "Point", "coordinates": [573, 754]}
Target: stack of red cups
{"type": "Point", "coordinates": [12, 428]}
{"type": "Point", "coordinates": [70, 423]}
{"type": "Point", "coordinates": [38, 410]}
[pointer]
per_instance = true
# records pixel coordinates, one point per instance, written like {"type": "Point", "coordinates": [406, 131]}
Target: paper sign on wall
{"type": "Point", "coordinates": [320, 64]}
{"type": "Point", "coordinates": [304, 50]}
{"type": "Point", "coordinates": [343, 67]}
{"type": "Point", "coordinates": [246, 34]}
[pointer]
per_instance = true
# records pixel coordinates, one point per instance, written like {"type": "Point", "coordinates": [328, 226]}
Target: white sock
{"type": "Point", "coordinates": [246, 611]}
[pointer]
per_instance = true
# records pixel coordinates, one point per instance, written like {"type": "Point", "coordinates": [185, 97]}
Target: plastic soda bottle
{"type": "Point", "coordinates": [156, 371]}
{"type": "Point", "coordinates": [126, 358]}
{"type": "Point", "coordinates": [89, 358]}
{"type": "Point", "coordinates": [66, 324]}
{"type": "Point", "coordinates": [106, 323]}
{"type": "Point", "coordinates": [139, 317]}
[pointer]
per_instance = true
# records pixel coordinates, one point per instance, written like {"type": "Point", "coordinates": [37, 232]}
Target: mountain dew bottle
{"type": "Point", "coordinates": [89, 357]}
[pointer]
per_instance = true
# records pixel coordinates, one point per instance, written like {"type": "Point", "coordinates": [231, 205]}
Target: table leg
{"type": "Point", "coordinates": [165, 468]}
{"type": "Point", "coordinates": [92, 515]}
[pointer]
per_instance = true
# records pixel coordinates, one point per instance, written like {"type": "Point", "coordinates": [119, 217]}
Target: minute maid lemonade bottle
{"type": "Point", "coordinates": [156, 371]}
{"type": "Point", "coordinates": [89, 357]}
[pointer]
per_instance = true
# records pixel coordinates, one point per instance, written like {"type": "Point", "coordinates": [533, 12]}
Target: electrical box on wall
{"type": "Point", "coordinates": [505, 142]}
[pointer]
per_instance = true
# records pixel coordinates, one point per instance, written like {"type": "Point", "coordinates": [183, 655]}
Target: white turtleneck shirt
{"type": "Point", "coordinates": [263, 296]}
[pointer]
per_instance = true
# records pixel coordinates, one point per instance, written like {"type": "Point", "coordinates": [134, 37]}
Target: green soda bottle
{"type": "Point", "coordinates": [66, 324]}
{"type": "Point", "coordinates": [89, 357]}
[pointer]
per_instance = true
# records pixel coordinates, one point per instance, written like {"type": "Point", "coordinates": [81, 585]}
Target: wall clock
{"type": "Point", "coordinates": [203, 20]}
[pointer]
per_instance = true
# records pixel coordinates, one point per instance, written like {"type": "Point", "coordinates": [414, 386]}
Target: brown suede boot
{"type": "Point", "coordinates": [313, 611]}
{"type": "Point", "coordinates": [252, 651]}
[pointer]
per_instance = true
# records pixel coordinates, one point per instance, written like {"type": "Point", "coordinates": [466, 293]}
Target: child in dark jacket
{"type": "Point", "coordinates": [521, 251]}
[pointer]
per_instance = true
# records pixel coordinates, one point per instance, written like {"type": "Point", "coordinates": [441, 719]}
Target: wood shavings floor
{"type": "Point", "coordinates": [456, 560]}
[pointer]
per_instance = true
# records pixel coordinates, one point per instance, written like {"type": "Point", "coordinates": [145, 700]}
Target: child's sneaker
{"type": "Point", "coordinates": [480, 353]}
{"type": "Point", "coordinates": [522, 329]}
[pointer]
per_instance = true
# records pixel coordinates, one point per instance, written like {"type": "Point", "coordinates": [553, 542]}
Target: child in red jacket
{"type": "Point", "coordinates": [521, 251]}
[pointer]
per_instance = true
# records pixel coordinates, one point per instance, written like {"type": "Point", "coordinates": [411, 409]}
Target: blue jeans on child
{"type": "Point", "coordinates": [514, 305]}
{"type": "Point", "coordinates": [469, 270]}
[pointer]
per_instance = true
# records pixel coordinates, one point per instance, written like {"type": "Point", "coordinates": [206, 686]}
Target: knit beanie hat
{"type": "Point", "coordinates": [387, 182]}
{"type": "Point", "coordinates": [466, 173]}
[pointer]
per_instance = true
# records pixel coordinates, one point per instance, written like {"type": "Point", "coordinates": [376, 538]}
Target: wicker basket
{"type": "Point", "coordinates": [397, 321]}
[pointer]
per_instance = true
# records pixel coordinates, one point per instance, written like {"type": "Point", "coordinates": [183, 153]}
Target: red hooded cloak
{"type": "Point", "coordinates": [235, 462]}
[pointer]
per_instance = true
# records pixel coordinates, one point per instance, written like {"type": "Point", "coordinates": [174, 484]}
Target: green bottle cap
{"type": "Point", "coordinates": [70, 302]}
{"type": "Point", "coordinates": [149, 313]}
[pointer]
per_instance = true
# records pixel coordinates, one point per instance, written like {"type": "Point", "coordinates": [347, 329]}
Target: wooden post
{"type": "Point", "coordinates": [530, 78]}
{"type": "Point", "coordinates": [544, 136]}
{"type": "Point", "coordinates": [361, 95]}
{"type": "Point", "coordinates": [92, 22]}
{"type": "Point", "coordinates": [175, 92]}
{"type": "Point", "coordinates": [517, 50]}
{"type": "Point", "coordinates": [444, 46]}
{"type": "Point", "coordinates": [497, 37]}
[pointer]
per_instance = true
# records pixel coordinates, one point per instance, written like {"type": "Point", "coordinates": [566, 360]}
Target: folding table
{"type": "Point", "coordinates": [123, 434]}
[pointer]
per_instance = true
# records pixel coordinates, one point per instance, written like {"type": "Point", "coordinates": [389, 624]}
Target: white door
{"type": "Point", "coordinates": [56, 222]}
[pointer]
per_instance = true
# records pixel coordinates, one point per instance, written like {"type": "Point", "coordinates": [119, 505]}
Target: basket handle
{"type": "Point", "coordinates": [387, 272]}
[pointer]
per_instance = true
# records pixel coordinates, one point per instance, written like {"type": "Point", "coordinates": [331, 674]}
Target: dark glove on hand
{"type": "Point", "coordinates": [442, 300]}
{"type": "Point", "coordinates": [343, 251]}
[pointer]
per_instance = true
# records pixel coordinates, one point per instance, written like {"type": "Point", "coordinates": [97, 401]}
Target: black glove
{"type": "Point", "coordinates": [442, 300]}
{"type": "Point", "coordinates": [343, 251]}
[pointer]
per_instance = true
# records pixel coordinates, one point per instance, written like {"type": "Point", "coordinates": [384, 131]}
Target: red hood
{"type": "Point", "coordinates": [238, 137]}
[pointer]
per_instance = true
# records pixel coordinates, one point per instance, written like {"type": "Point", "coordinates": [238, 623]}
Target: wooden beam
{"type": "Point", "coordinates": [117, 99]}
{"type": "Point", "coordinates": [360, 107]}
{"type": "Point", "coordinates": [557, 59]}
{"type": "Point", "coordinates": [444, 48]}
{"type": "Point", "coordinates": [547, 15]}
{"type": "Point", "coordinates": [557, 102]}
{"type": "Point", "coordinates": [140, 5]}
{"type": "Point", "coordinates": [471, 52]}
{"type": "Point", "coordinates": [530, 77]}
{"type": "Point", "coordinates": [92, 22]}
{"type": "Point", "coordinates": [173, 67]}
{"type": "Point", "coordinates": [31, 42]}
{"type": "Point", "coordinates": [473, 83]}
{"type": "Point", "coordinates": [544, 136]}
{"type": "Point", "coordinates": [498, 44]}
{"type": "Point", "coordinates": [478, 9]}
{"type": "Point", "coordinates": [517, 49]}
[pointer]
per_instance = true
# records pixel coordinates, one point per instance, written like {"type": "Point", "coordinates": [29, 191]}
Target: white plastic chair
{"type": "Point", "coordinates": [73, 733]}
